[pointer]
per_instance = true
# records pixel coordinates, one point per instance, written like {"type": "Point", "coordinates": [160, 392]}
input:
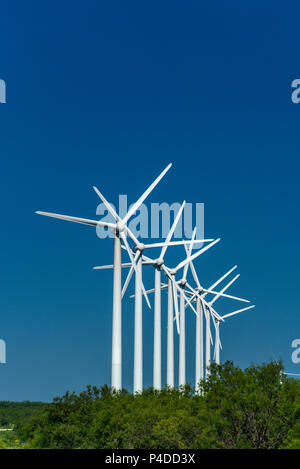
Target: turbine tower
{"type": "Point", "coordinates": [182, 283]}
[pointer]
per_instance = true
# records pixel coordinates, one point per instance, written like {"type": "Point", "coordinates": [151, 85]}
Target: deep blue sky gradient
{"type": "Point", "coordinates": [108, 93]}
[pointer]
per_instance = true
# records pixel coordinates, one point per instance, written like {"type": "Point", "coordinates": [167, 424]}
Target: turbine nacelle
{"type": "Point", "coordinates": [182, 282]}
{"type": "Point", "coordinates": [139, 247]}
{"type": "Point", "coordinates": [159, 262]}
{"type": "Point", "coordinates": [119, 227]}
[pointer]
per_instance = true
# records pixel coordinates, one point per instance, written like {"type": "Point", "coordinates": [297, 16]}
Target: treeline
{"type": "Point", "coordinates": [13, 413]}
{"type": "Point", "coordinates": [258, 407]}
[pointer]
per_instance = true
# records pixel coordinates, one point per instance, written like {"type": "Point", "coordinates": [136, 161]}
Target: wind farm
{"type": "Point", "coordinates": [183, 298]}
{"type": "Point", "coordinates": [149, 263]}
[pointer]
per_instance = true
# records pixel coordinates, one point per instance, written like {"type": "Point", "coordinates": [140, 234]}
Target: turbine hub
{"type": "Point", "coordinates": [183, 282]}
{"type": "Point", "coordinates": [159, 262]}
{"type": "Point", "coordinates": [119, 227]}
{"type": "Point", "coordinates": [139, 247]}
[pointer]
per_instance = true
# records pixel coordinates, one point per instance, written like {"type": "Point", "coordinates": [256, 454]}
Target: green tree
{"type": "Point", "coordinates": [258, 407]}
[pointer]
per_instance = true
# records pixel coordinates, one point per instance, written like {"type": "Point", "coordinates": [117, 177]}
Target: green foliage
{"type": "Point", "coordinates": [10, 440]}
{"type": "Point", "coordinates": [12, 413]}
{"type": "Point", "coordinates": [254, 408]}
{"type": "Point", "coordinates": [258, 407]}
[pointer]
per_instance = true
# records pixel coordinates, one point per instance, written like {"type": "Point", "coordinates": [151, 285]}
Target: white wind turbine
{"type": "Point", "coordinates": [138, 340]}
{"type": "Point", "coordinates": [182, 283]}
{"type": "Point", "coordinates": [218, 345]}
{"type": "Point", "coordinates": [199, 368]}
{"type": "Point", "coordinates": [174, 287]}
{"type": "Point", "coordinates": [198, 296]}
{"type": "Point", "coordinates": [158, 266]}
{"type": "Point", "coordinates": [210, 303]}
{"type": "Point", "coordinates": [180, 286]}
{"type": "Point", "coordinates": [119, 229]}
{"type": "Point", "coordinates": [138, 324]}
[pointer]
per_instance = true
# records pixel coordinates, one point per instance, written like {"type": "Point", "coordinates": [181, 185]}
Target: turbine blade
{"type": "Point", "coordinates": [175, 299]}
{"type": "Point", "coordinates": [83, 221]}
{"type": "Point", "coordinates": [225, 295]}
{"type": "Point", "coordinates": [148, 259]}
{"type": "Point", "coordinates": [110, 266]}
{"type": "Point", "coordinates": [107, 204]}
{"type": "Point", "coordinates": [152, 290]}
{"type": "Point", "coordinates": [111, 209]}
{"type": "Point", "coordinates": [131, 235]}
{"type": "Point", "coordinates": [192, 291]}
{"type": "Point", "coordinates": [128, 278]}
{"type": "Point", "coordinates": [129, 275]}
{"type": "Point", "coordinates": [180, 290]}
{"type": "Point", "coordinates": [193, 270]}
{"type": "Point", "coordinates": [177, 243]}
{"type": "Point", "coordinates": [207, 318]}
{"type": "Point", "coordinates": [185, 269]}
{"type": "Point", "coordinates": [135, 206]}
{"type": "Point", "coordinates": [170, 234]}
{"type": "Point", "coordinates": [221, 279]}
{"type": "Point", "coordinates": [213, 319]}
{"type": "Point", "coordinates": [191, 299]}
{"type": "Point", "coordinates": [217, 342]}
{"type": "Point", "coordinates": [188, 259]}
{"type": "Point", "coordinates": [137, 273]}
{"type": "Point", "coordinates": [237, 312]}
{"type": "Point", "coordinates": [224, 289]}
{"type": "Point", "coordinates": [212, 310]}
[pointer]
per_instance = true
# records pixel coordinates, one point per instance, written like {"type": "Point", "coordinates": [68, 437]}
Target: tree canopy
{"type": "Point", "coordinates": [258, 407]}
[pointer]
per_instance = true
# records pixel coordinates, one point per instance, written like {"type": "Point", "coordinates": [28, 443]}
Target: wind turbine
{"type": "Point", "coordinates": [138, 326]}
{"type": "Point", "coordinates": [119, 229]}
{"type": "Point", "coordinates": [182, 283]}
{"type": "Point", "coordinates": [199, 295]}
{"type": "Point", "coordinates": [210, 303]}
{"type": "Point", "coordinates": [201, 306]}
{"type": "Point", "coordinates": [139, 248]}
{"type": "Point", "coordinates": [158, 265]}
{"type": "Point", "coordinates": [138, 344]}
{"type": "Point", "coordinates": [210, 312]}
{"type": "Point", "coordinates": [174, 287]}
{"type": "Point", "coordinates": [218, 345]}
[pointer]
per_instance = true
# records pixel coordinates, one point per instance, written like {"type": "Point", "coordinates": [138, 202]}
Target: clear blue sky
{"type": "Point", "coordinates": [108, 93]}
